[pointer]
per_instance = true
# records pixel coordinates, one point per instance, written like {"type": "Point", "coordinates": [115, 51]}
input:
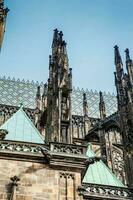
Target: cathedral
{"type": "Point", "coordinates": [58, 142]}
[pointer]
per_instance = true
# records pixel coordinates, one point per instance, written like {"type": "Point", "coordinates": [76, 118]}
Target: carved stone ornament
{"type": "Point", "coordinates": [14, 180]}
{"type": "Point", "coordinates": [104, 192]}
{"type": "Point", "coordinates": [92, 160]}
{"type": "Point", "coordinates": [3, 134]}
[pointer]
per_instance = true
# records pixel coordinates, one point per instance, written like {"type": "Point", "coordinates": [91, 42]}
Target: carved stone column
{"type": "Point", "coordinates": [14, 184]}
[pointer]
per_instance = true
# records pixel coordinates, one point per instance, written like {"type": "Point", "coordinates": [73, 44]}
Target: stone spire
{"type": "Point", "coordinates": [102, 108]}
{"type": "Point", "coordinates": [3, 15]}
{"type": "Point", "coordinates": [85, 105]}
{"type": "Point", "coordinates": [118, 59]}
{"type": "Point", "coordinates": [123, 84]}
{"type": "Point", "coordinates": [118, 62]}
{"type": "Point", "coordinates": [129, 66]}
{"type": "Point", "coordinates": [127, 55]}
{"type": "Point", "coordinates": [119, 76]}
{"type": "Point", "coordinates": [59, 126]}
{"type": "Point", "coordinates": [55, 38]}
{"type": "Point", "coordinates": [44, 96]}
{"type": "Point", "coordinates": [38, 98]}
{"type": "Point", "coordinates": [60, 36]}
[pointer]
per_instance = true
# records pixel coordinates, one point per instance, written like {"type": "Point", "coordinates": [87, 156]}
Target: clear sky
{"type": "Point", "coordinates": [91, 28]}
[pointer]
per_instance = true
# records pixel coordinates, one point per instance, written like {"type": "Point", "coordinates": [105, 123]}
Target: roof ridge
{"type": "Point", "coordinates": [37, 83]}
{"type": "Point", "coordinates": [86, 90]}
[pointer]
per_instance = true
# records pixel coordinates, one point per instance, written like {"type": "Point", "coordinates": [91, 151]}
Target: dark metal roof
{"type": "Point", "coordinates": [13, 92]}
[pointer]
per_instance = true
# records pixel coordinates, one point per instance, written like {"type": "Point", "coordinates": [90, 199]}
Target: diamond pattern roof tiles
{"type": "Point", "coordinates": [15, 92]}
{"type": "Point", "coordinates": [93, 102]}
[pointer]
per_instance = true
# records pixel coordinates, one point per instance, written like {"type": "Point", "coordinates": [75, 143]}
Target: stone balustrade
{"type": "Point", "coordinates": [104, 191]}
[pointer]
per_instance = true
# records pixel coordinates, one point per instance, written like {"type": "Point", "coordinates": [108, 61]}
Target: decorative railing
{"type": "Point", "coordinates": [104, 191]}
{"type": "Point", "coordinates": [8, 146]}
{"type": "Point", "coordinates": [67, 148]}
{"type": "Point", "coordinates": [20, 147]}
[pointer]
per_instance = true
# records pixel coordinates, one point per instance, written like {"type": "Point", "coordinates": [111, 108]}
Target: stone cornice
{"type": "Point", "coordinates": [57, 155]}
{"type": "Point", "coordinates": [88, 190]}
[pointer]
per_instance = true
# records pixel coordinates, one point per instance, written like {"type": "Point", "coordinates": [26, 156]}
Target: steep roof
{"type": "Point", "coordinates": [99, 173]}
{"type": "Point", "coordinates": [21, 128]}
{"type": "Point", "coordinates": [93, 102]}
{"type": "Point", "coordinates": [13, 92]}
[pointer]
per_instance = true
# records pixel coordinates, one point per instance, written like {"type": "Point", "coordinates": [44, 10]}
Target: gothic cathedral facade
{"type": "Point", "coordinates": [63, 143]}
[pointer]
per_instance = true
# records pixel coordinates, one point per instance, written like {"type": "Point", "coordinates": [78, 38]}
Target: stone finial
{"type": "Point", "coordinates": [60, 36]}
{"type": "Point", "coordinates": [50, 60]}
{"type": "Point", "coordinates": [118, 59]}
{"type": "Point", "coordinates": [38, 94]}
{"type": "Point", "coordinates": [70, 78]}
{"type": "Point", "coordinates": [128, 59]}
{"type": "Point", "coordinates": [3, 134]}
{"type": "Point", "coordinates": [127, 55]}
{"type": "Point", "coordinates": [15, 180]}
{"type": "Point", "coordinates": [55, 37]}
{"type": "Point", "coordinates": [102, 108]}
{"type": "Point", "coordinates": [85, 105]}
{"type": "Point", "coordinates": [45, 88]}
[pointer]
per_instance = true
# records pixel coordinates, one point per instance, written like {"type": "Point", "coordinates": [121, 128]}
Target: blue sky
{"type": "Point", "coordinates": [91, 28]}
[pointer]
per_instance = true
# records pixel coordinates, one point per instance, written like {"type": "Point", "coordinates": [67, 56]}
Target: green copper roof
{"type": "Point", "coordinates": [20, 128]}
{"type": "Point", "coordinates": [99, 173]}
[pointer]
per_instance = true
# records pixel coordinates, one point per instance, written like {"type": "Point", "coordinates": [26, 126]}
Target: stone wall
{"type": "Point", "coordinates": [37, 182]}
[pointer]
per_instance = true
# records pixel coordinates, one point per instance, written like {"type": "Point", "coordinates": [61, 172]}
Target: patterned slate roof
{"type": "Point", "coordinates": [93, 102]}
{"type": "Point", "coordinates": [13, 92]}
{"type": "Point", "coordinates": [21, 128]}
{"type": "Point", "coordinates": [99, 173]}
